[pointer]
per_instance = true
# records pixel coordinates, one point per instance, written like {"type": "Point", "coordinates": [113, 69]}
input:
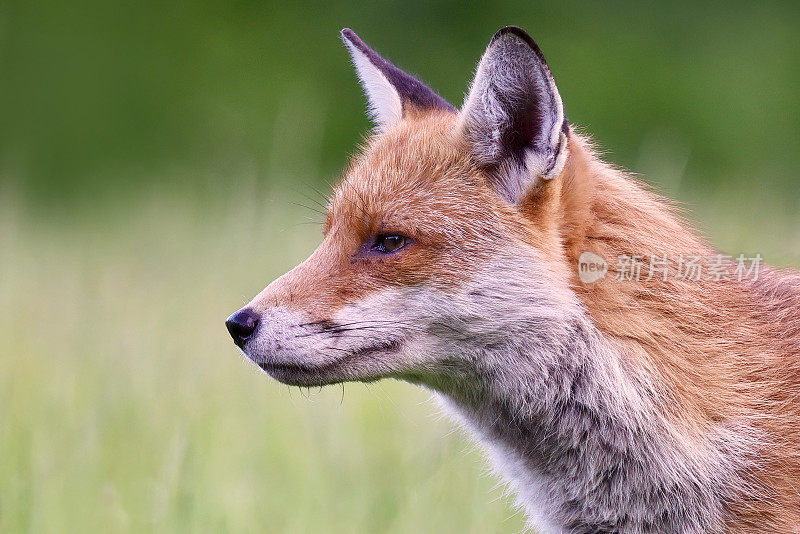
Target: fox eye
{"type": "Point", "coordinates": [388, 243]}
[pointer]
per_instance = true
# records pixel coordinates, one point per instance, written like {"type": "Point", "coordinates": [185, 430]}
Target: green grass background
{"type": "Point", "coordinates": [153, 163]}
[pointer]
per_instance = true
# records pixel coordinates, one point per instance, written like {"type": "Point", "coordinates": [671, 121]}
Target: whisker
{"type": "Point", "coordinates": [315, 201]}
{"type": "Point", "coordinates": [315, 210]}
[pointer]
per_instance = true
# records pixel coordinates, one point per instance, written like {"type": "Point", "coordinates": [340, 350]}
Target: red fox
{"type": "Point", "coordinates": [484, 253]}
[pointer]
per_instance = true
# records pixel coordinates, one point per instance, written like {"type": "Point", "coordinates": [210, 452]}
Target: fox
{"type": "Point", "coordinates": [453, 258]}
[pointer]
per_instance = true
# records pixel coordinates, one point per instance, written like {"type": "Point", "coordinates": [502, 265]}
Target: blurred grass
{"type": "Point", "coordinates": [152, 157]}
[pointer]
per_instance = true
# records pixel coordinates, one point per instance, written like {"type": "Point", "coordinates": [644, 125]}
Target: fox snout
{"type": "Point", "coordinates": [294, 348]}
{"type": "Point", "coordinates": [272, 338]}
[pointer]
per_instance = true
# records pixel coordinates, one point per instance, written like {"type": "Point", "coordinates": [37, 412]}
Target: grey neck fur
{"type": "Point", "coordinates": [579, 435]}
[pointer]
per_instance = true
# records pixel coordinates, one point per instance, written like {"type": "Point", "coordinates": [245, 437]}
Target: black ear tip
{"type": "Point", "coordinates": [350, 38]}
{"type": "Point", "coordinates": [516, 31]}
{"type": "Point", "coordinates": [349, 35]}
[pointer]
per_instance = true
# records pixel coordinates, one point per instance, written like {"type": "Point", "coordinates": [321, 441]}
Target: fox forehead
{"type": "Point", "coordinates": [417, 178]}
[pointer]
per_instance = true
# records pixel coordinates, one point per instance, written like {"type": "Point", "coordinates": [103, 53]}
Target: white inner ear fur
{"type": "Point", "coordinates": [557, 137]}
{"type": "Point", "coordinates": [384, 104]}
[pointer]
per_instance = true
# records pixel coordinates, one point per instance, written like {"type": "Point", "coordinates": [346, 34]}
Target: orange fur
{"type": "Point", "coordinates": [722, 351]}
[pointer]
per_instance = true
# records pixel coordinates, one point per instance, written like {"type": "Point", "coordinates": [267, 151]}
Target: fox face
{"type": "Point", "coordinates": [412, 276]}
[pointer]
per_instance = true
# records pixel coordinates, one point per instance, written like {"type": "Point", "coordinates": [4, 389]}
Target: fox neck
{"type": "Point", "coordinates": [582, 432]}
{"type": "Point", "coordinates": [582, 445]}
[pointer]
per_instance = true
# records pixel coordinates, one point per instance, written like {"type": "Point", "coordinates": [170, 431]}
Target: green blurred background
{"type": "Point", "coordinates": [155, 159]}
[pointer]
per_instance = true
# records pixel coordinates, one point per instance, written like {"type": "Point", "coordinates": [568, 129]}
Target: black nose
{"type": "Point", "coordinates": [241, 325]}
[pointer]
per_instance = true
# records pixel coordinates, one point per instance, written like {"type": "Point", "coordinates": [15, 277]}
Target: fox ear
{"type": "Point", "coordinates": [513, 118]}
{"type": "Point", "coordinates": [391, 93]}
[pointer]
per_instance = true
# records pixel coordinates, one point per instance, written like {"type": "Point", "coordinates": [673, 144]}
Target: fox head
{"type": "Point", "coordinates": [441, 243]}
